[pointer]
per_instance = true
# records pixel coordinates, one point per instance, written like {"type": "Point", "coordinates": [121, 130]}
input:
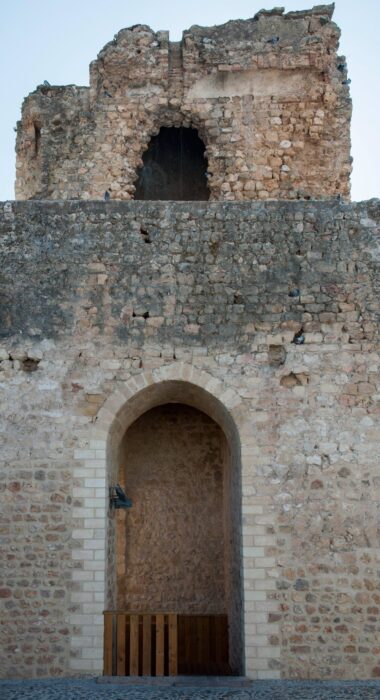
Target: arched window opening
{"type": "Point", "coordinates": [174, 167]}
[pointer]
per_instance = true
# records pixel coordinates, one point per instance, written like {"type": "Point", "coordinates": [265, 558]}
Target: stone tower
{"type": "Point", "coordinates": [211, 347]}
{"type": "Point", "coordinates": [268, 96]}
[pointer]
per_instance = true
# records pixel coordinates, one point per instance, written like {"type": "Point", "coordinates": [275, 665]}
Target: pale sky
{"type": "Point", "coordinates": [55, 40]}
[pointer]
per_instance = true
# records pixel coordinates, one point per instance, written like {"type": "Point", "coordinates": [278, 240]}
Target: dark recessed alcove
{"type": "Point", "coordinates": [174, 167]}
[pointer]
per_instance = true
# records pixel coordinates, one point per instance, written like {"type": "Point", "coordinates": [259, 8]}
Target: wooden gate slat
{"type": "Point", "coordinates": [160, 641]}
{"type": "Point", "coordinates": [147, 645]}
{"type": "Point", "coordinates": [204, 643]}
{"type": "Point", "coordinates": [218, 640]}
{"type": "Point", "coordinates": [199, 641]}
{"type": "Point", "coordinates": [221, 643]}
{"type": "Point", "coordinates": [173, 645]}
{"type": "Point", "coordinates": [189, 644]}
{"type": "Point", "coordinates": [108, 643]}
{"type": "Point", "coordinates": [134, 645]}
{"type": "Point", "coordinates": [120, 642]}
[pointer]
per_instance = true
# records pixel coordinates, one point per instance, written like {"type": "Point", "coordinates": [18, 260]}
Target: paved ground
{"type": "Point", "coordinates": [261, 690]}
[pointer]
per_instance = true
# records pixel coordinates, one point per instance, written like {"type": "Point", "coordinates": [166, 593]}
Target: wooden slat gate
{"type": "Point", "coordinates": [165, 644]}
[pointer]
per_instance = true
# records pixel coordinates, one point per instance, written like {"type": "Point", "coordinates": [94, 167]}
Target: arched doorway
{"type": "Point", "coordinates": [177, 550]}
{"type": "Point", "coordinates": [174, 546]}
{"type": "Point", "coordinates": [174, 167]}
{"type": "Point", "coordinates": [97, 467]}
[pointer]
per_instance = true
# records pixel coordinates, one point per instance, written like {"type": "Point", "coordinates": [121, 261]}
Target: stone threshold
{"type": "Point", "coordinates": [179, 681]}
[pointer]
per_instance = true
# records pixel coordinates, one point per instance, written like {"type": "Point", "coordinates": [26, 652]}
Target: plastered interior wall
{"type": "Point", "coordinates": [269, 97]}
{"type": "Point", "coordinates": [274, 306]}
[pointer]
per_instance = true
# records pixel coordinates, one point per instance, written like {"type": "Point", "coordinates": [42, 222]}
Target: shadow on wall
{"type": "Point", "coordinates": [174, 167]}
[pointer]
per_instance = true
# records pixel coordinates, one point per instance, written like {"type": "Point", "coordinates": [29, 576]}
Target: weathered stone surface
{"type": "Point", "coordinates": [213, 274]}
{"type": "Point", "coordinates": [263, 315]}
{"type": "Point", "coordinates": [172, 467]}
{"type": "Point", "coordinates": [95, 310]}
{"type": "Point", "coordinates": [267, 95]}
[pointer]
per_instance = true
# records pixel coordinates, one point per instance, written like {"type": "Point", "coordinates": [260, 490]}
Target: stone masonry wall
{"type": "Point", "coordinates": [172, 467]}
{"type": "Point", "coordinates": [268, 95]}
{"type": "Point", "coordinates": [278, 303]}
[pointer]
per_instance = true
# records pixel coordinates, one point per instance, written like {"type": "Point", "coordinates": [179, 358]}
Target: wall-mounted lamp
{"type": "Point", "coordinates": [118, 499]}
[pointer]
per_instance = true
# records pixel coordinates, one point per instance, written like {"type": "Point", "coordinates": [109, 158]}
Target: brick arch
{"type": "Point", "coordinates": [97, 467]}
{"type": "Point", "coordinates": [140, 392]}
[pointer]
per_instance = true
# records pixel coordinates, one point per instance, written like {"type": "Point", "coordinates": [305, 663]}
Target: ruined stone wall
{"type": "Point", "coordinates": [268, 96]}
{"type": "Point", "coordinates": [279, 303]}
